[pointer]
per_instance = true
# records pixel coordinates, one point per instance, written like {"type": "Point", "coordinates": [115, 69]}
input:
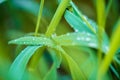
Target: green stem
{"type": "Point", "coordinates": [108, 7]}
{"type": "Point", "coordinates": [57, 17]}
{"type": "Point", "coordinates": [101, 17]}
{"type": "Point", "coordinates": [114, 45]}
{"type": "Point", "coordinates": [39, 17]}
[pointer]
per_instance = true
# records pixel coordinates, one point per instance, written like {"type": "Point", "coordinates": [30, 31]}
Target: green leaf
{"type": "Point", "coordinates": [30, 40]}
{"type": "Point", "coordinates": [52, 74]}
{"type": "Point", "coordinates": [81, 23]}
{"type": "Point", "coordinates": [18, 66]}
{"type": "Point", "coordinates": [1, 1]}
{"type": "Point", "coordinates": [76, 23]}
{"type": "Point", "coordinates": [84, 18]}
{"type": "Point", "coordinates": [79, 38]}
{"type": "Point", "coordinates": [76, 72]}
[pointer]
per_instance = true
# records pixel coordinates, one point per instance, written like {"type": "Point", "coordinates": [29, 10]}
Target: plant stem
{"type": "Point", "coordinates": [101, 17]}
{"type": "Point", "coordinates": [108, 7]}
{"type": "Point", "coordinates": [114, 45]}
{"type": "Point", "coordinates": [57, 17]}
{"type": "Point", "coordinates": [39, 17]}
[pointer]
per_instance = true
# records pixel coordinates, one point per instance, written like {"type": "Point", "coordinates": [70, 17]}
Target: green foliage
{"type": "Point", "coordinates": [76, 23]}
{"type": "Point", "coordinates": [76, 72]}
{"type": "Point", "coordinates": [74, 53]}
{"type": "Point", "coordinates": [1, 1]}
{"type": "Point", "coordinates": [18, 67]}
{"type": "Point", "coordinates": [52, 73]}
{"type": "Point", "coordinates": [31, 40]}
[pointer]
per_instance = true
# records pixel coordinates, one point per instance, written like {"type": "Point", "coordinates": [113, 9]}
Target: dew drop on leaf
{"type": "Point", "coordinates": [76, 30]}
{"type": "Point", "coordinates": [53, 35]}
{"type": "Point", "coordinates": [92, 44]}
{"type": "Point", "coordinates": [33, 39]}
{"type": "Point", "coordinates": [87, 39]}
{"type": "Point", "coordinates": [68, 34]}
{"type": "Point", "coordinates": [78, 38]}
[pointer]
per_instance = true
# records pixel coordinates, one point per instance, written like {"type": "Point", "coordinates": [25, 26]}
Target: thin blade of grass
{"type": "Point", "coordinates": [114, 45]}
{"type": "Point", "coordinates": [39, 17]}
{"type": "Point", "coordinates": [108, 7]}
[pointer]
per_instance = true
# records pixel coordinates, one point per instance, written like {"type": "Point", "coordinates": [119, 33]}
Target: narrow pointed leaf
{"type": "Point", "coordinates": [79, 25]}
{"type": "Point", "coordinates": [18, 67]}
{"type": "Point", "coordinates": [76, 23]}
{"type": "Point", "coordinates": [84, 18]}
{"type": "Point", "coordinates": [30, 40]}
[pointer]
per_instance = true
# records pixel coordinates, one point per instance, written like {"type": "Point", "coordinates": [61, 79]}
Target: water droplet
{"type": "Point", "coordinates": [82, 38]}
{"type": "Point", "coordinates": [85, 17]}
{"type": "Point", "coordinates": [92, 44]}
{"type": "Point", "coordinates": [76, 30]}
{"type": "Point", "coordinates": [87, 39]}
{"type": "Point", "coordinates": [24, 42]}
{"type": "Point", "coordinates": [83, 32]}
{"type": "Point", "coordinates": [15, 40]}
{"type": "Point", "coordinates": [44, 43]}
{"type": "Point", "coordinates": [53, 35]}
{"type": "Point", "coordinates": [84, 22]}
{"type": "Point", "coordinates": [73, 43]}
{"type": "Point", "coordinates": [68, 34]}
{"type": "Point", "coordinates": [33, 39]}
{"type": "Point", "coordinates": [88, 34]}
{"type": "Point", "coordinates": [78, 38]}
{"type": "Point", "coordinates": [106, 48]}
{"type": "Point", "coordinates": [44, 38]}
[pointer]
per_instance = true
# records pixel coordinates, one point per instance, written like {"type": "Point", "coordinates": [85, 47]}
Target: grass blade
{"type": "Point", "coordinates": [114, 45]}
{"type": "Point", "coordinates": [18, 67]}
{"type": "Point", "coordinates": [39, 17]}
{"type": "Point", "coordinates": [108, 7]}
